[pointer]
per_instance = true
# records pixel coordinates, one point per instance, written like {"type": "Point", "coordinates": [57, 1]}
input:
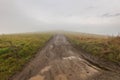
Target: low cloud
{"type": "Point", "coordinates": [111, 15]}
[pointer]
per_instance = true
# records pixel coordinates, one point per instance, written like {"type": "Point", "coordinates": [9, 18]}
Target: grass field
{"type": "Point", "coordinates": [18, 49]}
{"type": "Point", "coordinates": [102, 46]}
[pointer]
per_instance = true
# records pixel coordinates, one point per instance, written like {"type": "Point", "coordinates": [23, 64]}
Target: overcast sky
{"type": "Point", "coordinates": [90, 16]}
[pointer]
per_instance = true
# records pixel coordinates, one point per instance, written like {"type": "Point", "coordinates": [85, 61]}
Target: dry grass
{"type": "Point", "coordinates": [102, 46]}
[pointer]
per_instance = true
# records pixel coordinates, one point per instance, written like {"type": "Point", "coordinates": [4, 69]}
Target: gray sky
{"type": "Point", "coordinates": [91, 16]}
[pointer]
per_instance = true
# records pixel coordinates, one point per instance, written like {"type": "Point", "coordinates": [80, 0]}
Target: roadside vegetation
{"type": "Point", "coordinates": [18, 49]}
{"type": "Point", "coordinates": [102, 46]}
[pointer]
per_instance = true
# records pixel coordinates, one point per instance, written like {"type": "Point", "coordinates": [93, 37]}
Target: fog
{"type": "Point", "coordinates": [89, 16]}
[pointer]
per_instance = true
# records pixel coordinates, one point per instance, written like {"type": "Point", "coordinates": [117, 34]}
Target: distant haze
{"type": "Point", "coordinates": [89, 16]}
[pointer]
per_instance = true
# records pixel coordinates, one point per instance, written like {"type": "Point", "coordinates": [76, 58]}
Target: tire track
{"type": "Point", "coordinates": [60, 61]}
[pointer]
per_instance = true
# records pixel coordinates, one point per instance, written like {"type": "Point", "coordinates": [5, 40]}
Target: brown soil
{"type": "Point", "coordinates": [60, 61]}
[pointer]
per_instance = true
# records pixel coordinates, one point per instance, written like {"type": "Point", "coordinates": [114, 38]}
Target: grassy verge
{"type": "Point", "coordinates": [17, 49]}
{"type": "Point", "coordinates": [101, 46]}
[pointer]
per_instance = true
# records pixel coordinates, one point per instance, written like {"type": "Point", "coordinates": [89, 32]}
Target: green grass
{"type": "Point", "coordinates": [17, 49]}
{"type": "Point", "coordinates": [101, 46]}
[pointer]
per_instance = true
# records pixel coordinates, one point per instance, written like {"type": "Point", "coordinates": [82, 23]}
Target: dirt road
{"type": "Point", "coordinates": [60, 61]}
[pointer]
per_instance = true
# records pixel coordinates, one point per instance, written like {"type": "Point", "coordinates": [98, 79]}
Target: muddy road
{"type": "Point", "coordinates": [58, 60]}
